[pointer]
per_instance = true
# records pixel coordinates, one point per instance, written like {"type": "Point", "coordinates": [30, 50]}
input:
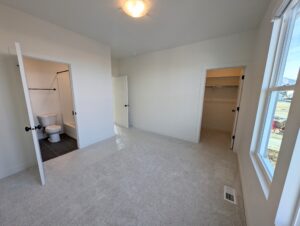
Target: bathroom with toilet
{"type": "Point", "coordinates": [51, 98]}
{"type": "Point", "coordinates": [49, 123]}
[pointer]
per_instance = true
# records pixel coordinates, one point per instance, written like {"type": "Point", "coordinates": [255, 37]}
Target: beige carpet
{"type": "Point", "coordinates": [135, 178]}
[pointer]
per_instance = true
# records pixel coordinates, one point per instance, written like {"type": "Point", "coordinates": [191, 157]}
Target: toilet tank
{"type": "Point", "coordinates": [47, 119]}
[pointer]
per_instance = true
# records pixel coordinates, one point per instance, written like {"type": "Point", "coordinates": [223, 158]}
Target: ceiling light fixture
{"type": "Point", "coordinates": [136, 8]}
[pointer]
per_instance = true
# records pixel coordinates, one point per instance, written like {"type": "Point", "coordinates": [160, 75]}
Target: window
{"type": "Point", "coordinates": [278, 94]}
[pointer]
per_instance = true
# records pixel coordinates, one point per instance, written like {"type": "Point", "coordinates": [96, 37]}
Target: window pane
{"type": "Point", "coordinates": [291, 67]}
{"type": "Point", "coordinates": [279, 119]}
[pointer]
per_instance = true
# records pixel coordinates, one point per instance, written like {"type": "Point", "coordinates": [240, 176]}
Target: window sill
{"type": "Point", "coordinates": [261, 173]}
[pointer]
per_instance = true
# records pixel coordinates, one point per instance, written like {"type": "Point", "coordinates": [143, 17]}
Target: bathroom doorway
{"type": "Point", "coordinates": [51, 98]}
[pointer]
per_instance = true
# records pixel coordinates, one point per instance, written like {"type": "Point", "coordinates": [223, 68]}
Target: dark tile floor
{"type": "Point", "coordinates": [53, 150]}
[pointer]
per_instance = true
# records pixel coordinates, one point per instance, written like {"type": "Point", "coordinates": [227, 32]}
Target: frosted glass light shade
{"type": "Point", "coordinates": [136, 8]}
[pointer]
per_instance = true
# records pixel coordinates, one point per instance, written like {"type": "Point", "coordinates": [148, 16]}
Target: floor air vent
{"type": "Point", "coordinates": [230, 194]}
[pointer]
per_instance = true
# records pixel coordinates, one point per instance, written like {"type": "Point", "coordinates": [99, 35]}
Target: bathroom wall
{"type": "Point", "coordinates": [66, 97]}
{"type": "Point", "coordinates": [42, 74]}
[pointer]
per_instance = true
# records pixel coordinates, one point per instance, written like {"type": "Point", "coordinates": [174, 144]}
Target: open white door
{"type": "Point", "coordinates": [32, 127]}
{"type": "Point", "coordinates": [120, 94]}
{"type": "Point", "coordinates": [237, 110]}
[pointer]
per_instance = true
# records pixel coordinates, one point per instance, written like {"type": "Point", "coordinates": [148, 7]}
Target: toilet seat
{"type": "Point", "coordinates": [53, 129]}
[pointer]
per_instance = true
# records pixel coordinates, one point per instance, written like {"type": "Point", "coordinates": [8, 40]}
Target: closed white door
{"type": "Point", "coordinates": [120, 94]}
{"type": "Point", "coordinates": [32, 127]}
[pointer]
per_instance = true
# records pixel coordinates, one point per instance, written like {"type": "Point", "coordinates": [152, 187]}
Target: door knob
{"type": "Point", "coordinates": [35, 128]}
{"type": "Point", "coordinates": [28, 128]}
{"type": "Point", "coordinates": [38, 127]}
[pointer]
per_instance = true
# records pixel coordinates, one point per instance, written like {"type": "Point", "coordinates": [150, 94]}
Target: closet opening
{"type": "Point", "coordinates": [51, 98]}
{"type": "Point", "coordinates": [222, 98]}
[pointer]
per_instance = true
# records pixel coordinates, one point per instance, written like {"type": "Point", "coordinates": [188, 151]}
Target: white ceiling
{"type": "Point", "coordinates": [170, 23]}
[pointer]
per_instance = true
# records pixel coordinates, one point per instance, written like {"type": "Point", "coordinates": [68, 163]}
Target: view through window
{"type": "Point", "coordinates": [281, 95]}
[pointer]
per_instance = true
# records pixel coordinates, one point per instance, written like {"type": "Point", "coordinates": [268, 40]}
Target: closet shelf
{"type": "Point", "coordinates": [215, 100]}
{"type": "Point", "coordinates": [223, 82]}
{"type": "Point", "coordinates": [53, 89]}
{"type": "Point", "coordinates": [221, 86]}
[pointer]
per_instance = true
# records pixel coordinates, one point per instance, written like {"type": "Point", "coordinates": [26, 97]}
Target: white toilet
{"type": "Point", "coordinates": [48, 121]}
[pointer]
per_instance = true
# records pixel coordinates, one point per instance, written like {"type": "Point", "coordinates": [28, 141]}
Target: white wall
{"type": "Point", "coordinates": [42, 74]}
{"type": "Point", "coordinates": [115, 67]}
{"type": "Point", "coordinates": [259, 209]}
{"type": "Point", "coordinates": [91, 73]}
{"type": "Point", "coordinates": [165, 87]}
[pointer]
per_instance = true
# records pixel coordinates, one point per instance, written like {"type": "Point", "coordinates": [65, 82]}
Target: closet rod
{"type": "Point", "coordinates": [41, 89]}
{"type": "Point", "coordinates": [208, 86]}
{"type": "Point", "coordinates": [59, 72]}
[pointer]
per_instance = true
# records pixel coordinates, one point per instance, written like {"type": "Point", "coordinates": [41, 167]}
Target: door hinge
{"type": "Point", "coordinates": [243, 77]}
{"type": "Point", "coordinates": [238, 108]}
{"type": "Point", "coordinates": [74, 113]}
{"type": "Point", "coordinates": [233, 137]}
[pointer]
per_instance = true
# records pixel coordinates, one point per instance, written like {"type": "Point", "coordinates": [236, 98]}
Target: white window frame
{"type": "Point", "coordinates": [296, 220]}
{"type": "Point", "coordinates": [281, 37]}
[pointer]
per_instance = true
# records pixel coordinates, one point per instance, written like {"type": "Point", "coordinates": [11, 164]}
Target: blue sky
{"type": "Point", "coordinates": [293, 60]}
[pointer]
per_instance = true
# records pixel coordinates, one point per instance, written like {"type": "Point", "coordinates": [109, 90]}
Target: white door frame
{"type": "Point", "coordinates": [202, 90]}
{"type": "Point", "coordinates": [74, 105]}
{"type": "Point", "coordinates": [72, 88]}
{"type": "Point", "coordinates": [296, 220]}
